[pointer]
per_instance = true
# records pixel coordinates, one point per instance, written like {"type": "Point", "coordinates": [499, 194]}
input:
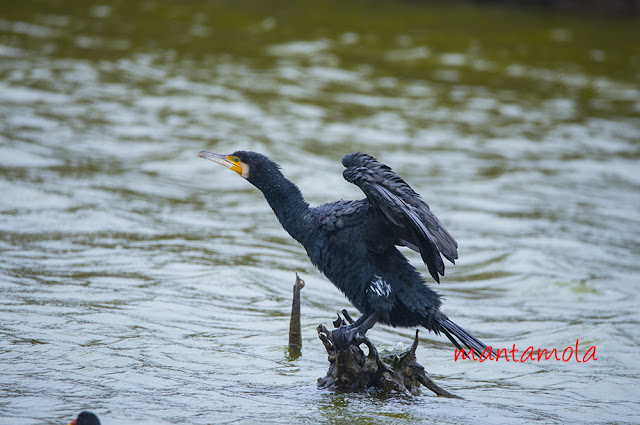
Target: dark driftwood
{"type": "Point", "coordinates": [295, 332]}
{"type": "Point", "coordinates": [390, 371]}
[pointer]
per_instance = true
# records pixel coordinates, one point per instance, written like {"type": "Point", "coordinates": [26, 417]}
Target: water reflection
{"type": "Point", "coordinates": [149, 286]}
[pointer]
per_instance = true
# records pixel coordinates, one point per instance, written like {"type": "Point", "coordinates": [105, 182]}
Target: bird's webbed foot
{"type": "Point", "coordinates": [346, 335]}
{"type": "Point", "coordinates": [353, 333]}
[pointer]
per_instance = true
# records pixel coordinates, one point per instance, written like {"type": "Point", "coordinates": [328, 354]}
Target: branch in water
{"type": "Point", "coordinates": [295, 332]}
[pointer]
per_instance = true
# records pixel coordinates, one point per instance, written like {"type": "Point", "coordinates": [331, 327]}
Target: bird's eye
{"type": "Point", "coordinates": [236, 159]}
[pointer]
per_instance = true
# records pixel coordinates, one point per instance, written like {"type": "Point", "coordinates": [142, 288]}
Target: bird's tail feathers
{"type": "Point", "coordinates": [451, 330]}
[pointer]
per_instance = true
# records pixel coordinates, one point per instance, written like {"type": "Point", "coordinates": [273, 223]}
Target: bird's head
{"type": "Point", "coordinates": [253, 166]}
{"type": "Point", "coordinates": [86, 418]}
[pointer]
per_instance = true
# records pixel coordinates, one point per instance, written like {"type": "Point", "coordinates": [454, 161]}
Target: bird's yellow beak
{"type": "Point", "coordinates": [229, 161]}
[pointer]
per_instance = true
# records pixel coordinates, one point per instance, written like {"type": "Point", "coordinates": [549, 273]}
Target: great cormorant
{"type": "Point", "coordinates": [354, 243]}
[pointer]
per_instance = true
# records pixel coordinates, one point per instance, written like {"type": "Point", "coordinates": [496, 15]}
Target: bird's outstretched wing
{"type": "Point", "coordinates": [414, 223]}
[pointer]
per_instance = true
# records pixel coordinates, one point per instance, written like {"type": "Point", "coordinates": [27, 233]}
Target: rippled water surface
{"type": "Point", "coordinates": [151, 286]}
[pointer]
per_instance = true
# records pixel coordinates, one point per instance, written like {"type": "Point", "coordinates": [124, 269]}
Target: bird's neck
{"type": "Point", "coordinates": [287, 202]}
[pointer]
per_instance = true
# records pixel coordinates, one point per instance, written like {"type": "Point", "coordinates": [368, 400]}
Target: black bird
{"type": "Point", "coordinates": [353, 243]}
{"type": "Point", "coordinates": [86, 418]}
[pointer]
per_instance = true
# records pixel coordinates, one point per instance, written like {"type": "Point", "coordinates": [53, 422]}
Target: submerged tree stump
{"type": "Point", "coordinates": [390, 371]}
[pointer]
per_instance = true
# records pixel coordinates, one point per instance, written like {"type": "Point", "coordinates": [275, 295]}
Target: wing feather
{"type": "Point", "coordinates": [414, 223]}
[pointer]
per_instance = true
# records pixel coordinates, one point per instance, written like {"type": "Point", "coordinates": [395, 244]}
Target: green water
{"type": "Point", "coordinates": [151, 286]}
